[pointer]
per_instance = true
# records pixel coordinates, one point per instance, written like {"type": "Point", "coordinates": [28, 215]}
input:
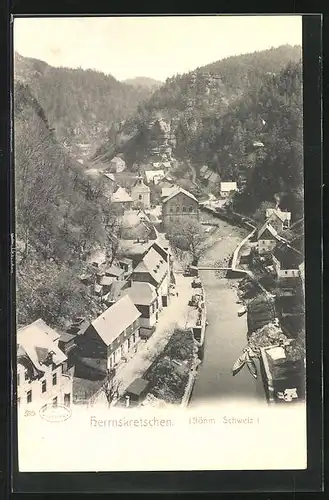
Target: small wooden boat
{"type": "Point", "coordinates": [240, 362]}
{"type": "Point", "coordinates": [251, 366]}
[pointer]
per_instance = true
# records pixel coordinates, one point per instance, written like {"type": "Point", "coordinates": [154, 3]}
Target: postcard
{"type": "Point", "coordinates": [159, 243]}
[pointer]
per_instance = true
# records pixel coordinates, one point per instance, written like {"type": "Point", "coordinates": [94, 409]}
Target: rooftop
{"type": "Point", "coordinates": [84, 389]}
{"type": "Point", "coordinates": [154, 264]}
{"type": "Point", "coordinates": [138, 386]}
{"type": "Point", "coordinates": [179, 191]}
{"type": "Point", "coordinates": [111, 323]}
{"type": "Point", "coordinates": [39, 341]}
{"type": "Point", "coordinates": [140, 293]}
{"type": "Point", "coordinates": [228, 186]}
{"type": "Point", "coordinates": [115, 271]}
{"type": "Point", "coordinates": [121, 196]}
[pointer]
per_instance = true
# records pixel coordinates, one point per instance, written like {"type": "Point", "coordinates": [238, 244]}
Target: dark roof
{"type": "Point", "coordinates": [66, 337]}
{"type": "Point", "coordinates": [138, 386]}
{"type": "Point", "coordinates": [84, 389]}
{"type": "Point", "coordinates": [288, 256]}
{"type": "Point", "coordinates": [161, 251]}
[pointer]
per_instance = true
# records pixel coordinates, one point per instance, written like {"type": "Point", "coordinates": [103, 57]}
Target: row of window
{"type": "Point", "coordinates": [26, 377]}
{"type": "Point", "coordinates": [183, 209]}
{"type": "Point", "coordinates": [130, 341]}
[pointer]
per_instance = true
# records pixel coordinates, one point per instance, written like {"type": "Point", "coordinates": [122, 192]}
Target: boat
{"type": "Point", "coordinates": [240, 362]}
{"type": "Point", "coordinates": [251, 366]}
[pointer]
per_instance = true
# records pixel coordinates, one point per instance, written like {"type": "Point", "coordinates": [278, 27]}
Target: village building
{"type": "Point", "coordinates": [115, 272]}
{"type": "Point", "coordinates": [140, 194]}
{"type": "Point", "coordinates": [226, 188]}
{"type": "Point", "coordinates": [209, 175]}
{"type": "Point", "coordinates": [122, 198]}
{"type": "Point", "coordinates": [145, 298]}
{"type": "Point", "coordinates": [178, 206]}
{"type": "Point", "coordinates": [117, 165]}
{"type": "Point", "coordinates": [267, 238]}
{"type": "Point", "coordinates": [154, 176]}
{"type": "Point", "coordinates": [154, 269]}
{"type": "Point", "coordinates": [126, 265]}
{"type": "Point", "coordinates": [42, 377]}
{"type": "Point", "coordinates": [279, 219]}
{"type": "Point", "coordinates": [286, 261]}
{"type": "Point", "coordinates": [113, 334]}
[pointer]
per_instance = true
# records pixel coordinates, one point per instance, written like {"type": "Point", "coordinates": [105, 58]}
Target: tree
{"type": "Point", "coordinates": [112, 387]}
{"type": "Point", "coordinates": [188, 235]}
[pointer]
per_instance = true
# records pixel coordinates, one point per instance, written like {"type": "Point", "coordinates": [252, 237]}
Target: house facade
{"type": "Point", "coordinates": [267, 238]}
{"type": "Point", "coordinates": [154, 269]}
{"type": "Point", "coordinates": [117, 165]}
{"type": "Point", "coordinates": [278, 219]}
{"type": "Point", "coordinates": [140, 194]}
{"type": "Point", "coordinates": [179, 205]}
{"type": "Point", "coordinates": [226, 188]}
{"type": "Point", "coordinates": [42, 378]}
{"type": "Point", "coordinates": [113, 334]}
{"type": "Point", "coordinates": [286, 261]}
{"type": "Point", "coordinates": [122, 198]}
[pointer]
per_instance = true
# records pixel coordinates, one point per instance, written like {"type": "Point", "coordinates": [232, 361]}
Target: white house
{"type": "Point", "coordinates": [286, 261]}
{"type": "Point", "coordinates": [267, 238]}
{"type": "Point", "coordinates": [279, 219]}
{"type": "Point", "coordinates": [227, 187]}
{"type": "Point", "coordinates": [113, 334]}
{"type": "Point", "coordinates": [41, 372]}
{"type": "Point", "coordinates": [154, 269]}
{"type": "Point", "coordinates": [117, 165]}
{"type": "Point", "coordinates": [140, 193]}
{"type": "Point", "coordinates": [154, 176]}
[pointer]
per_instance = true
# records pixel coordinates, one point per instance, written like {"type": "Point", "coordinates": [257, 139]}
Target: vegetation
{"type": "Point", "coordinates": [60, 217]}
{"type": "Point", "coordinates": [81, 105]}
{"type": "Point", "coordinates": [188, 236]}
{"type": "Point", "coordinates": [241, 116]}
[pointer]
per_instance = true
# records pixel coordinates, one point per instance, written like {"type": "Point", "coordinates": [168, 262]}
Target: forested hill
{"type": "Point", "coordinates": [143, 81]}
{"type": "Point", "coordinates": [241, 116]}
{"type": "Point", "coordinates": [56, 221]}
{"type": "Point", "coordinates": [81, 105]}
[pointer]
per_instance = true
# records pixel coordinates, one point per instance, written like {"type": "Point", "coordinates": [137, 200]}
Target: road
{"type": "Point", "coordinates": [226, 332]}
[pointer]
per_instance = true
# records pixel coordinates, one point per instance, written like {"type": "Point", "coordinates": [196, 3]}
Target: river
{"type": "Point", "coordinates": [226, 332]}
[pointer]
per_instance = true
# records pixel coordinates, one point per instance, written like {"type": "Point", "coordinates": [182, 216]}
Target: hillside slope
{"type": "Point", "coordinates": [241, 116]}
{"type": "Point", "coordinates": [57, 222]}
{"type": "Point", "coordinates": [81, 105]}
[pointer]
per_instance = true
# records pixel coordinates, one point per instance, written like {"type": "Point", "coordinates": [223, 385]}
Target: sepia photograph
{"type": "Point", "coordinates": [159, 242]}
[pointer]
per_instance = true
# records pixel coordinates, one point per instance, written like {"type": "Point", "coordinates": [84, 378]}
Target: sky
{"type": "Point", "coordinates": [155, 47]}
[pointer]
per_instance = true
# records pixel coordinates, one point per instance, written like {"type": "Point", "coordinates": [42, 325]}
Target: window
{"type": "Point", "coordinates": [184, 209]}
{"type": "Point", "coordinates": [26, 375]}
{"type": "Point", "coordinates": [29, 396]}
{"type": "Point", "coordinates": [55, 401]}
{"type": "Point", "coordinates": [140, 197]}
{"type": "Point", "coordinates": [54, 378]}
{"type": "Point", "coordinates": [18, 401]}
{"type": "Point", "coordinates": [177, 209]}
{"type": "Point", "coordinates": [171, 210]}
{"type": "Point", "coordinates": [134, 338]}
{"type": "Point", "coordinates": [44, 386]}
{"type": "Point", "coordinates": [190, 209]}
{"type": "Point", "coordinates": [18, 379]}
{"type": "Point", "coordinates": [286, 272]}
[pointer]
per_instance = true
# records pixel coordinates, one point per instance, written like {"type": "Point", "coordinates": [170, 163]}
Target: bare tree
{"type": "Point", "coordinates": [112, 387]}
{"type": "Point", "coordinates": [188, 236]}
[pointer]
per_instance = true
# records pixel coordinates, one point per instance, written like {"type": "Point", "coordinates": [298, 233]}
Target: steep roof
{"type": "Point", "coordinates": [115, 271]}
{"type": "Point", "coordinates": [154, 264]}
{"type": "Point", "coordinates": [116, 319]}
{"type": "Point", "coordinates": [180, 191]}
{"type": "Point", "coordinates": [109, 176]}
{"type": "Point", "coordinates": [140, 293]}
{"type": "Point", "coordinates": [267, 226]}
{"type": "Point", "coordinates": [278, 213]}
{"type": "Point", "coordinates": [117, 159]}
{"type": "Point", "coordinates": [38, 341]}
{"type": "Point", "coordinates": [161, 251]}
{"type": "Point", "coordinates": [289, 257]}
{"type": "Point", "coordinates": [120, 196]}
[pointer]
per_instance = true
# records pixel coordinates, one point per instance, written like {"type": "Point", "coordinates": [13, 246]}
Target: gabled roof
{"type": "Point", "coordinates": [117, 159]}
{"type": "Point", "coordinates": [180, 191]}
{"type": "Point", "coordinates": [289, 257]}
{"type": "Point", "coordinates": [214, 177]}
{"type": "Point", "coordinates": [140, 293]}
{"type": "Point", "coordinates": [167, 191]}
{"type": "Point", "coordinates": [109, 176]}
{"type": "Point", "coordinates": [204, 169]}
{"type": "Point", "coordinates": [39, 341]}
{"type": "Point", "coordinates": [115, 320]}
{"type": "Point", "coordinates": [154, 264]}
{"type": "Point", "coordinates": [140, 186]}
{"type": "Point", "coordinates": [120, 196]}
{"type": "Point", "coordinates": [114, 271]}
{"type": "Point", "coordinates": [273, 233]}
{"type": "Point", "coordinates": [278, 213]}
{"type": "Point", "coordinates": [161, 251]}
